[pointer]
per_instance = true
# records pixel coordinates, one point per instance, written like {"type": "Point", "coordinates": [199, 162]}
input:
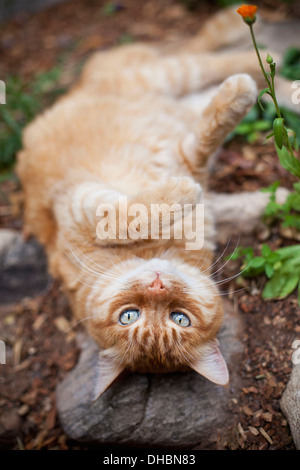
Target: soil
{"type": "Point", "coordinates": [39, 333]}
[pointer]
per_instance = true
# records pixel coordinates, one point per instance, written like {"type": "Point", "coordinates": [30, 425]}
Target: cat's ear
{"type": "Point", "coordinates": [212, 365]}
{"type": "Point", "coordinates": [107, 371]}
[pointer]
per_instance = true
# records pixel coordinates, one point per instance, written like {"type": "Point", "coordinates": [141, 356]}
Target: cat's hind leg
{"type": "Point", "coordinates": [233, 99]}
{"type": "Point", "coordinates": [240, 213]}
{"type": "Point", "coordinates": [222, 29]}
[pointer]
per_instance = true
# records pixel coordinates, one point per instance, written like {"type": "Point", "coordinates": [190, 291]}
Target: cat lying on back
{"type": "Point", "coordinates": [138, 125]}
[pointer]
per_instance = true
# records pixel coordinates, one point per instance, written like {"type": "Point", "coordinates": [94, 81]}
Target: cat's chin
{"type": "Point", "coordinates": [161, 369]}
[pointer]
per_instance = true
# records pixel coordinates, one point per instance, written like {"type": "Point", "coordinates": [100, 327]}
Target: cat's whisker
{"type": "Point", "coordinates": [78, 322]}
{"type": "Point", "coordinates": [130, 342]}
{"type": "Point", "coordinates": [181, 348]}
{"type": "Point", "coordinates": [106, 270]}
{"type": "Point", "coordinates": [94, 282]}
{"type": "Point", "coordinates": [219, 283]}
{"type": "Point", "coordinates": [230, 292]}
{"type": "Point", "coordinates": [82, 282]}
{"type": "Point", "coordinates": [117, 255]}
{"type": "Point", "coordinates": [111, 260]}
{"type": "Point", "coordinates": [88, 269]}
{"type": "Point", "coordinates": [227, 261]}
{"type": "Point", "coordinates": [96, 264]}
{"type": "Point", "coordinates": [79, 265]}
{"type": "Point", "coordinates": [222, 254]}
{"type": "Point", "coordinates": [199, 259]}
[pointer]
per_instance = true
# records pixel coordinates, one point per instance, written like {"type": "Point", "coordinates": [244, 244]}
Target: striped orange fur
{"type": "Point", "coordinates": [127, 129]}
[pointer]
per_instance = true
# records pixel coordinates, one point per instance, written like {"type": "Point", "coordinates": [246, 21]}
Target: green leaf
{"type": "Point", "coordinates": [260, 95]}
{"type": "Point", "coordinates": [291, 221]}
{"type": "Point", "coordinates": [289, 252]}
{"type": "Point", "coordinates": [269, 270]}
{"type": "Point", "coordinates": [109, 9]}
{"type": "Point", "coordinates": [278, 131]}
{"type": "Point", "coordinates": [292, 120]}
{"type": "Point", "coordinates": [291, 64]}
{"type": "Point", "coordinates": [258, 262]}
{"type": "Point", "coordinates": [266, 250]}
{"type": "Point", "coordinates": [269, 136]}
{"type": "Point", "coordinates": [272, 188]}
{"type": "Point", "coordinates": [252, 137]}
{"type": "Point", "coordinates": [261, 125]}
{"type": "Point", "coordinates": [280, 286]}
{"type": "Point", "coordinates": [288, 161]}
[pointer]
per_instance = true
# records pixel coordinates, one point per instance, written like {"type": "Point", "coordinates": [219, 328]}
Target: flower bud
{"type": "Point", "coordinates": [247, 12]}
{"type": "Point", "coordinates": [269, 59]}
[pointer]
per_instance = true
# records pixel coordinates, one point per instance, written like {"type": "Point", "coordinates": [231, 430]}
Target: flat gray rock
{"type": "Point", "coordinates": [165, 410]}
{"type": "Point", "coordinates": [290, 404]}
{"type": "Point", "coordinates": [23, 267]}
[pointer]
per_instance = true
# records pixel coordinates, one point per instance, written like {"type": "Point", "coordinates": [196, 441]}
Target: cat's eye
{"type": "Point", "coordinates": [180, 319]}
{"type": "Point", "coordinates": [129, 316]}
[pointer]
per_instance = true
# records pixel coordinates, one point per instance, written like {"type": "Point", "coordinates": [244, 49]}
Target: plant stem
{"type": "Point", "coordinates": [269, 83]}
{"type": "Point", "coordinates": [274, 97]}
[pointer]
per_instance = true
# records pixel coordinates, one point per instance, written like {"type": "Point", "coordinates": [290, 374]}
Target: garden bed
{"type": "Point", "coordinates": [42, 347]}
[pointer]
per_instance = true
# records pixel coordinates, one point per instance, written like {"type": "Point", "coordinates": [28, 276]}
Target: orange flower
{"type": "Point", "coordinates": [248, 13]}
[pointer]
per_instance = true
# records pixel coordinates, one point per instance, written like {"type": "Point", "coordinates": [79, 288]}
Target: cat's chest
{"type": "Point", "coordinates": [135, 167]}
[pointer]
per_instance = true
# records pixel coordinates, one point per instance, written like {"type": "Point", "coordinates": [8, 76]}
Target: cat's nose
{"type": "Point", "coordinates": [157, 285]}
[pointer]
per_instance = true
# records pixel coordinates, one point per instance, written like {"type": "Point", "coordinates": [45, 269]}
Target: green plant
{"type": "Point", "coordinates": [194, 4]}
{"type": "Point", "coordinates": [19, 109]}
{"type": "Point", "coordinates": [126, 38]}
{"type": "Point", "coordinates": [291, 63]}
{"type": "Point", "coordinates": [288, 213]}
{"type": "Point", "coordinates": [24, 100]}
{"type": "Point", "coordinates": [110, 8]}
{"type": "Point", "coordinates": [259, 120]}
{"type": "Point", "coordinates": [282, 266]}
{"type": "Point", "coordinates": [226, 3]}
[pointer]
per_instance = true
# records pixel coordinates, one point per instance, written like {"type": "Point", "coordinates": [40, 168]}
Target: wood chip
{"type": "Point", "coordinates": [62, 324]}
{"type": "Point", "coordinates": [24, 365]}
{"type": "Point", "coordinates": [242, 432]}
{"type": "Point", "coordinates": [266, 435]}
{"type": "Point", "coordinates": [39, 321]}
{"type": "Point", "coordinates": [23, 410]}
{"type": "Point", "coordinates": [9, 320]}
{"type": "Point", "coordinates": [258, 413]}
{"type": "Point", "coordinates": [17, 349]}
{"type": "Point", "coordinates": [247, 411]}
{"type": "Point", "coordinates": [253, 431]}
{"type": "Point", "coordinates": [250, 390]}
{"type": "Point", "coordinates": [20, 444]}
{"type": "Point", "coordinates": [267, 417]}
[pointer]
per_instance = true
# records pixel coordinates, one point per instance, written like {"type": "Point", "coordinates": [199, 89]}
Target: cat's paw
{"type": "Point", "coordinates": [238, 92]}
{"type": "Point", "coordinates": [182, 190]}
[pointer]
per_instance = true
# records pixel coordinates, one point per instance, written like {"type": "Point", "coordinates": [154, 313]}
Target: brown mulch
{"type": "Point", "coordinates": [39, 334]}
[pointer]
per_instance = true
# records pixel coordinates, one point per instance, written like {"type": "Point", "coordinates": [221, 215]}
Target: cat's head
{"type": "Point", "coordinates": [155, 316]}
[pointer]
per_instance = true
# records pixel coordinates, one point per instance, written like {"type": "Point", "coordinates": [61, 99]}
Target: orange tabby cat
{"type": "Point", "coordinates": [138, 125]}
